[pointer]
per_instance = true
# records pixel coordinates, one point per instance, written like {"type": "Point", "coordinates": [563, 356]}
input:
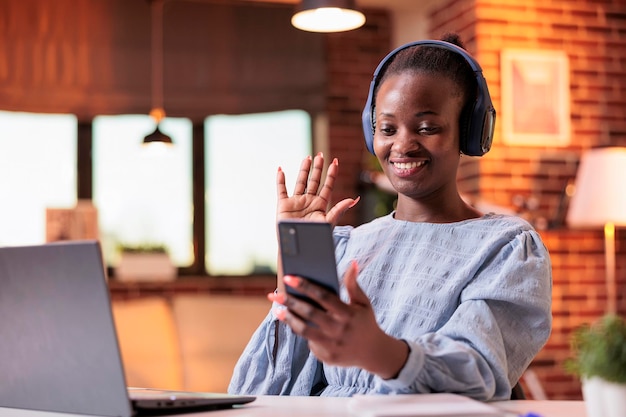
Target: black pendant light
{"type": "Point", "coordinates": [157, 137]}
{"type": "Point", "coordinates": [157, 112]}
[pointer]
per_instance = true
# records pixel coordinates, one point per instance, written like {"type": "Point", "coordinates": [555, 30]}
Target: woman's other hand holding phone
{"type": "Point", "coordinates": [341, 334]}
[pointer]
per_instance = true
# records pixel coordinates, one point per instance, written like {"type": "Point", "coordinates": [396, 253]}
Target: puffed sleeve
{"type": "Point", "coordinates": [276, 362]}
{"type": "Point", "coordinates": [502, 321]}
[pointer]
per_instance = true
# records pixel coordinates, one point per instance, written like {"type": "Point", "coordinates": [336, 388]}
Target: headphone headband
{"type": "Point", "coordinates": [477, 135]}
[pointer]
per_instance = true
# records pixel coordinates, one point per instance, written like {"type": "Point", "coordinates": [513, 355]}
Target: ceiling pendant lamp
{"type": "Point", "coordinates": [157, 136]}
{"type": "Point", "coordinates": [327, 16]}
{"type": "Point", "coordinates": [157, 112]}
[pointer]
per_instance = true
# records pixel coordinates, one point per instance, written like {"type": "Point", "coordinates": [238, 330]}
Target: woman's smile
{"type": "Point", "coordinates": [405, 169]}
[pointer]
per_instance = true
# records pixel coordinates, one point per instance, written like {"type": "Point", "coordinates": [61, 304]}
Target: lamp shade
{"type": "Point", "coordinates": [327, 16]}
{"type": "Point", "coordinates": [157, 137]}
{"type": "Point", "coordinates": [600, 189]}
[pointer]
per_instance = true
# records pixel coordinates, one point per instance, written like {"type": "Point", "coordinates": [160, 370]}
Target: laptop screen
{"type": "Point", "coordinates": [59, 349]}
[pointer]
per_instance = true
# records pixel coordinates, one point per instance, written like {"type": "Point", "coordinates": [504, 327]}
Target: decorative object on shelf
{"type": "Point", "coordinates": [528, 208]}
{"type": "Point", "coordinates": [77, 223]}
{"type": "Point", "coordinates": [327, 16]}
{"type": "Point", "coordinates": [144, 263]}
{"type": "Point", "coordinates": [600, 361]}
{"type": "Point", "coordinates": [599, 200]}
{"type": "Point", "coordinates": [157, 112]}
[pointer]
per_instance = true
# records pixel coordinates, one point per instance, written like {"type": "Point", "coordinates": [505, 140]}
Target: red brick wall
{"type": "Point", "coordinates": [352, 58]}
{"type": "Point", "coordinates": [593, 35]}
{"type": "Point", "coordinates": [578, 296]}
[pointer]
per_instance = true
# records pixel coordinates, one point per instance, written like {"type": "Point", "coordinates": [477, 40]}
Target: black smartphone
{"type": "Point", "coordinates": [307, 250]}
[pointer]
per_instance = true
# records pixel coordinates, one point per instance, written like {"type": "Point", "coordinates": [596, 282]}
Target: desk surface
{"type": "Point", "coordinates": [271, 406]}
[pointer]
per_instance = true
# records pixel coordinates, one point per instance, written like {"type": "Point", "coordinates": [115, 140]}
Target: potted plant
{"type": "Point", "coordinates": [599, 360]}
{"type": "Point", "coordinates": [146, 262]}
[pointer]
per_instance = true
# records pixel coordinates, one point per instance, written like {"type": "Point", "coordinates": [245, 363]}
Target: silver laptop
{"type": "Point", "coordinates": [58, 345]}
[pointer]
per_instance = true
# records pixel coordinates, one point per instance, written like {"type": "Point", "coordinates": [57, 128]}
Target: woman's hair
{"type": "Point", "coordinates": [434, 60]}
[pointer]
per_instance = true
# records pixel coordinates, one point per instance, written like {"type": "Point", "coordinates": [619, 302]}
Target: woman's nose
{"type": "Point", "coordinates": [405, 142]}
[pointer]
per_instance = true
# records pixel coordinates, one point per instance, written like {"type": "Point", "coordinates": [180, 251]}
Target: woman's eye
{"type": "Point", "coordinates": [387, 130]}
{"type": "Point", "coordinates": [428, 130]}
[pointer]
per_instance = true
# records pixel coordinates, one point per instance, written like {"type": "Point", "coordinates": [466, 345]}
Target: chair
{"type": "Point", "coordinates": [517, 393]}
{"type": "Point", "coordinates": [149, 343]}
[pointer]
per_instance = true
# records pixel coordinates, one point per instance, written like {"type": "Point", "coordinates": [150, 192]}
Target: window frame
{"type": "Point", "coordinates": [85, 191]}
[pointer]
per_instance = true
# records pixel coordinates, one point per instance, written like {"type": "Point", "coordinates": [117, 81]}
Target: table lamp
{"type": "Point", "coordinates": [599, 200]}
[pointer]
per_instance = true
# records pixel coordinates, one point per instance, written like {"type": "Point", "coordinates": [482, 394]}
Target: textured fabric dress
{"type": "Point", "coordinates": [472, 299]}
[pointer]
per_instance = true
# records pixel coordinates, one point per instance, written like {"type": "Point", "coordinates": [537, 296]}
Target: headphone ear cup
{"type": "Point", "coordinates": [481, 117]}
{"type": "Point", "coordinates": [464, 124]}
{"type": "Point", "coordinates": [465, 128]}
{"type": "Point", "coordinates": [368, 120]}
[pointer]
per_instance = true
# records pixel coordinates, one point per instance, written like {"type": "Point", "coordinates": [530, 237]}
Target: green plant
{"type": "Point", "coordinates": [600, 350]}
{"type": "Point", "coordinates": [145, 248]}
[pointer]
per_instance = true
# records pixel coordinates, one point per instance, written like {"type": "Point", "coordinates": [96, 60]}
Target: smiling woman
{"type": "Point", "coordinates": [435, 296]}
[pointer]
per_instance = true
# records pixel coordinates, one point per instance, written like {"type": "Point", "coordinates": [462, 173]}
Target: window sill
{"type": "Point", "coordinates": [256, 285]}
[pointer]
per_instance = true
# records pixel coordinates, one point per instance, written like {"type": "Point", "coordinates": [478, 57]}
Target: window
{"type": "Point", "coordinates": [242, 155]}
{"type": "Point", "coordinates": [38, 168]}
{"type": "Point", "coordinates": [143, 196]}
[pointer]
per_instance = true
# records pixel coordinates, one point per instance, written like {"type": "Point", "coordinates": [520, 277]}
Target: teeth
{"type": "Point", "coordinates": [408, 165]}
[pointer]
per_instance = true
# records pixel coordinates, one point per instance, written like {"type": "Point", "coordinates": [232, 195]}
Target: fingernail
{"type": "Point", "coordinates": [280, 313]}
{"type": "Point", "coordinates": [276, 297]}
{"type": "Point", "coordinates": [291, 281]}
{"type": "Point", "coordinates": [355, 265]}
{"type": "Point", "coordinates": [354, 203]}
{"type": "Point", "coordinates": [335, 161]}
{"type": "Point", "coordinates": [279, 298]}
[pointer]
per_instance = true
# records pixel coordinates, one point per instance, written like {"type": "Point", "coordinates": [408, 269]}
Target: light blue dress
{"type": "Point", "coordinates": [472, 299]}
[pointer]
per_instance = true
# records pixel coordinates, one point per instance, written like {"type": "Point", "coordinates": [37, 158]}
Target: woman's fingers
{"type": "Point", "coordinates": [334, 214]}
{"type": "Point", "coordinates": [300, 325]}
{"type": "Point", "coordinates": [309, 178]}
{"type": "Point", "coordinates": [310, 175]}
{"type": "Point", "coordinates": [281, 189]}
{"type": "Point", "coordinates": [330, 310]}
{"type": "Point", "coordinates": [303, 176]}
{"type": "Point", "coordinates": [355, 293]}
{"type": "Point", "coordinates": [315, 175]}
{"type": "Point", "coordinates": [329, 182]}
{"type": "Point", "coordinates": [311, 197]}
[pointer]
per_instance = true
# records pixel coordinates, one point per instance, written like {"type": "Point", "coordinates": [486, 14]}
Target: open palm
{"type": "Point", "coordinates": [311, 198]}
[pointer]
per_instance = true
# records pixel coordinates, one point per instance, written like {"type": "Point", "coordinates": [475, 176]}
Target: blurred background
{"type": "Point", "coordinates": [241, 92]}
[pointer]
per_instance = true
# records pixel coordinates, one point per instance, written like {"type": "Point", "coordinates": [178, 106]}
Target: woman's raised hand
{"type": "Point", "coordinates": [311, 198]}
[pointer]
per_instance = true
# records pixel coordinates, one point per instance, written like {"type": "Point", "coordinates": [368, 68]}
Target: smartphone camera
{"type": "Point", "coordinates": [289, 240]}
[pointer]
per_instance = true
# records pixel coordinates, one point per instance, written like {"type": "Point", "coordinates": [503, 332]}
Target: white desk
{"type": "Point", "coordinates": [271, 406]}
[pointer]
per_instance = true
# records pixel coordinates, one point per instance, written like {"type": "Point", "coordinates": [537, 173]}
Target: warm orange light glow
{"type": "Point", "coordinates": [157, 114]}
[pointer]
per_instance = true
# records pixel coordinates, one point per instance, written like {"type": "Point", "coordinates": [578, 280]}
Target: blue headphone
{"type": "Point", "coordinates": [477, 122]}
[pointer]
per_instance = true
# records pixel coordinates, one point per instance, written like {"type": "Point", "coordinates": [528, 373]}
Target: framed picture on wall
{"type": "Point", "coordinates": [535, 98]}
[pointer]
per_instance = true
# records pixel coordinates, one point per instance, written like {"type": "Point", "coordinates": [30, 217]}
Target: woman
{"type": "Point", "coordinates": [436, 296]}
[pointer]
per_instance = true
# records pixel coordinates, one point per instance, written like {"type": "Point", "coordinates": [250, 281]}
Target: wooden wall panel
{"type": "Point", "coordinates": [91, 57]}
